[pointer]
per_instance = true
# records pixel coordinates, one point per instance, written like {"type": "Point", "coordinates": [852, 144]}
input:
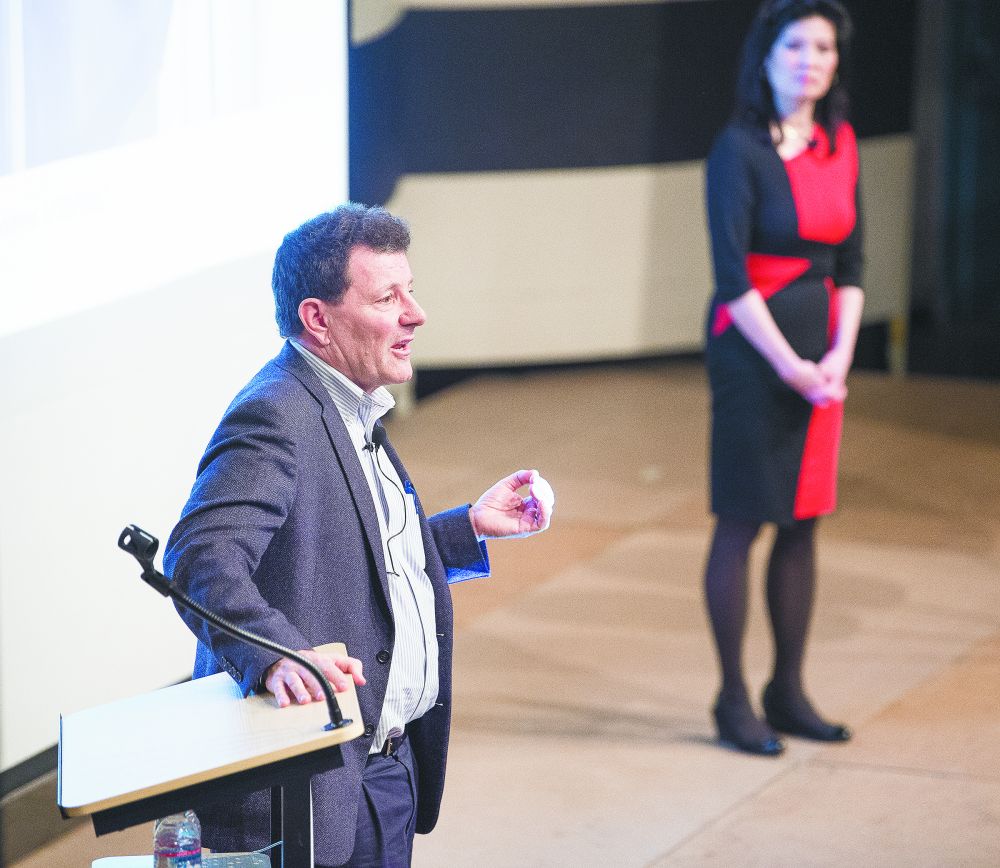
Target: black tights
{"type": "Point", "coordinates": [791, 582]}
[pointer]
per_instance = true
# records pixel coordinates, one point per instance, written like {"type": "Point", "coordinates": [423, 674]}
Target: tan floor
{"type": "Point", "coordinates": [584, 668]}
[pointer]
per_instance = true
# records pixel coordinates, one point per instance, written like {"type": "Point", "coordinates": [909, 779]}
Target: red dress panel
{"type": "Point", "coordinates": [791, 230]}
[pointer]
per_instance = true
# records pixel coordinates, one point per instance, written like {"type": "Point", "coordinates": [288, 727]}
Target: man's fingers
{"type": "Point", "coordinates": [519, 479]}
{"type": "Point", "coordinates": [338, 680]}
{"type": "Point", "coordinates": [294, 683]}
{"type": "Point", "coordinates": [353, 667]}
{"type": "Point", "coordinates": [300, 688]}
{"type": "Point", "coordinates": [291, 682]}
{"type": "Point", "coordinates": [331, 669]}
{"type": "Point", "coordinates": [277, 689]}
{"type": "Point", "coordinates": [337, 670]}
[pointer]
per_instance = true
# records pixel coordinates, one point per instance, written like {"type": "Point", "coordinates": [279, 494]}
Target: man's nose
{"type": "Point", "coordinates": [413, 313]}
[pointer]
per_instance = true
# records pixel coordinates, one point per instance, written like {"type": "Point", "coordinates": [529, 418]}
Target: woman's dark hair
{"type": "Point", "coordinates": [754, 100]}
{"type": "Point", "coordinates": [312, 260]}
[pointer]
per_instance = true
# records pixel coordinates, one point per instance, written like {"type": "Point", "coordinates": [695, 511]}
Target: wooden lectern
{"type": "Point", "coordinates": [198, 744]}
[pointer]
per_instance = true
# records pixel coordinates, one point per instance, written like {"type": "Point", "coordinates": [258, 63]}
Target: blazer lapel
{"type": "Point", "coordinates": [343, 447]}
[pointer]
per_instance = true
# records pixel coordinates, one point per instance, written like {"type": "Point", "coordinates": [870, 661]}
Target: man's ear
{"type": "Point", "coordinates": [315, 319]}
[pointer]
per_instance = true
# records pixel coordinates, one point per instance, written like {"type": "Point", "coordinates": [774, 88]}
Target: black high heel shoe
{"type": "Point", "coordinates": [735, 730]}
{"type": "Point", "coordinates": [802, 721]}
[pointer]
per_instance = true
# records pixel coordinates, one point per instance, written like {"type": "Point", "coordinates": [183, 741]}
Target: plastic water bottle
{"type": "Point", "coordinates": [177, 841]}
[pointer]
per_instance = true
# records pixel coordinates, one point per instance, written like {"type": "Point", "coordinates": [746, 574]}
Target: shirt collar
{"type": "Point", "coordinates": [355, 405]}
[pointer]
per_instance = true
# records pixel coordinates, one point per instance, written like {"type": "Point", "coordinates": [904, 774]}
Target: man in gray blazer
{"type": "Point", "coordinates": [304, 526]}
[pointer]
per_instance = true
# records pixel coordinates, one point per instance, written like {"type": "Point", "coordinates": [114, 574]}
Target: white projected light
{"type": "Point", "coordinates": [152, 157]}
{"type": "Point", "coordinates": [89, 230]}
{"type": "Point", "coordinates": [234, 137]}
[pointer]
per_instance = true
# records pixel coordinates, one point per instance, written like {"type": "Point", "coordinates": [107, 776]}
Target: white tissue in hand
{"type": "Point", "coordinates": [542, 491]}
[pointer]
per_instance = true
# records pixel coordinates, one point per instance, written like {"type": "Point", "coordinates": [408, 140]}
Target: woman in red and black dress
{"type": "Point", "coordinates": [782, 196]}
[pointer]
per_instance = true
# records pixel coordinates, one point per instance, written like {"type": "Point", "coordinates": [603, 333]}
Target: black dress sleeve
{"type": "Point", "coordinates": [730, 195]}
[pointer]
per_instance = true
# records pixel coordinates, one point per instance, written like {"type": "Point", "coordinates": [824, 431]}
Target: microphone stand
{"type": "Point", "coordinates": [142, 546]}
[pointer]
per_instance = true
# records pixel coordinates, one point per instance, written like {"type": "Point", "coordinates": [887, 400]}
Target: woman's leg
{"type": "Point", "coordinates": [791, 589]}
{"type": "Point", "coordinates": [726, 599]}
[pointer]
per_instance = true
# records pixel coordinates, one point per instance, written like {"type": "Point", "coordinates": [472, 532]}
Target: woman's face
{"type": "Point", "coordinates": [802, 62]}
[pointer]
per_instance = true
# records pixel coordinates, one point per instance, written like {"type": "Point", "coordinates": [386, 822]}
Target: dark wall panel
{"type": "Point", "coordinates": [587, 86]}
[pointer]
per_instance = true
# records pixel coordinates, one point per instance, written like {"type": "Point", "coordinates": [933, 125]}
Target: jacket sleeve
{"type": "Point", "coordinates": [463, 555]}
{"type": "Point", "coordinates": [244, 490]}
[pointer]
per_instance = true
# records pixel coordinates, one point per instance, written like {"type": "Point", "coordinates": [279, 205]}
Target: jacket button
{"type": "Point", "coordinates": [383, 656]}
{"type": "Point", "coordinates": [369, 730]}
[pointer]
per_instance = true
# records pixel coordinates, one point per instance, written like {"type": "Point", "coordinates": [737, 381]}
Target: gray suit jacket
{"type": "Point", "coordinates": [280, 536]}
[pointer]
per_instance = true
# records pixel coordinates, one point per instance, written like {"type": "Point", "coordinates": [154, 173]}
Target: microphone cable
{"type": "Point", "coordinates": [373, 446]}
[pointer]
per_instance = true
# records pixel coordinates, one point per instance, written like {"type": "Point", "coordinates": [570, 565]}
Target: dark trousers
{"type": "Point", "coordinates": [387, 812]}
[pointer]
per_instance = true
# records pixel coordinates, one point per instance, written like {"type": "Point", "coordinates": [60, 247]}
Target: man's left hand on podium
{"type": "Point", "coordinates": [291, 682]}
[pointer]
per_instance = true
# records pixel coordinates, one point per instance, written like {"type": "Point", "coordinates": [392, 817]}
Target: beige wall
{"type": "Point", "coordinates": [563, 265]}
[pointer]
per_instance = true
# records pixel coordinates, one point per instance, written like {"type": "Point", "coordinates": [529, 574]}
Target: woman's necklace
{"type": "Point", "coordinates": [794, 133]}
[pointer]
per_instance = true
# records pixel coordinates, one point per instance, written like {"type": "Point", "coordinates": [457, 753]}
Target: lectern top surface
{"type": "Point", "coordinates": [182, 735]}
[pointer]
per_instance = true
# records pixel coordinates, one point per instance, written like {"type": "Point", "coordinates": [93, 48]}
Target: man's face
{"type": "Point", "coordinates": [371, 327]}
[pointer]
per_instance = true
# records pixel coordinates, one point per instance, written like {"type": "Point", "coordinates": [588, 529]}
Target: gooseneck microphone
{"type": "Point", "coordinates": [142, 546]}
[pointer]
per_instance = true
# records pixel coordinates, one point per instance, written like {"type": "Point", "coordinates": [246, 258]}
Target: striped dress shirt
{"type": "Point", "coordinates": [413, 671]}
